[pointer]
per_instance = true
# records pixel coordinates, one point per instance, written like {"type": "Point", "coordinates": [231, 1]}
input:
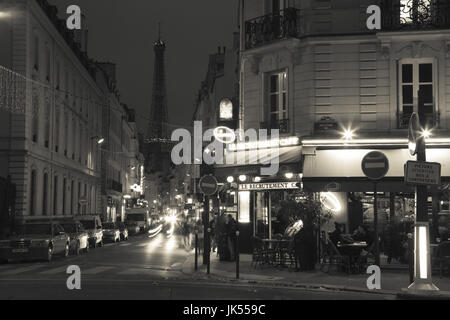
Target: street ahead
{"type": "Point", "coordinates": [141, 268]}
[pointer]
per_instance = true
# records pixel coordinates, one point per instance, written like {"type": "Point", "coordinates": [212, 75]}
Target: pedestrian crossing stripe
{"type": "Point", "coordinates": [55, 270]}
{"type": "Point", "coordinates": [96, 270]}
{"type": "Point", "coordinates": [20, 270]}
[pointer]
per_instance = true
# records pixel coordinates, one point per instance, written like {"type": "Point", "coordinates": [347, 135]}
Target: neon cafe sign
{"type": "Point", "coordinates": [265, 144]}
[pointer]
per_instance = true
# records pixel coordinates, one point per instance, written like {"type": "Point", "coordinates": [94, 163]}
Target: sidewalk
{"type": "Point", "coordinates": [392, 282]}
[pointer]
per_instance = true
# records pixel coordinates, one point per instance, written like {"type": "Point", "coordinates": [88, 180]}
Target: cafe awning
{"type": "Point", "coordinates": [250, 162]}
{"type": "Point", "coordinates": [340, 169]}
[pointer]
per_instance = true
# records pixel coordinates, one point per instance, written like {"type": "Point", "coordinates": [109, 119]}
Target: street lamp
{"type": "Point", "coordinates": [348, 134]}
{"type": "Point", "coordinates": [242, 178]}
{"type": "Point", "coordinates": [100, 140]}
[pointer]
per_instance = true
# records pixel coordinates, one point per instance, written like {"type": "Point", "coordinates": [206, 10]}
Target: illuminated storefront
{"type": "Point", "coordinates": [334, 166]}
{"type": "Point", "coordinates": [257, 197]}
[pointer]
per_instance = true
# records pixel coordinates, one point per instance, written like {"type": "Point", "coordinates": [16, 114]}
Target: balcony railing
{"type": "Point", "coordinates": [415, 14]}
{"type": "Point", "coordinates": [431, 120]}
{"type": "Point", "coordinates": [268, 28]}
{"type": "Point", "coordinates": [282, 125]}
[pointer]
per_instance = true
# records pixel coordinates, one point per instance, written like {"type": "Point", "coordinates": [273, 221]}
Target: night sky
{"type": "Point", "coordinates": [123, 31]}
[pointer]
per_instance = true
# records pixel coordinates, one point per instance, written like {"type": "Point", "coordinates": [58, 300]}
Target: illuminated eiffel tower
{"type": "Point", "coordinates": [157, 155]}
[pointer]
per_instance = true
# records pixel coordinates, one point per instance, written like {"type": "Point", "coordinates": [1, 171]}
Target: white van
{"type": "Point", "coordinates": [140, 216]}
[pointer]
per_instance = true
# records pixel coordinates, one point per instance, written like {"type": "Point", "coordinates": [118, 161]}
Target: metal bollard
{"type": "Point", "coordinates": [196, 250]}
{"type": "Point", "coordinates": [237, 254]}
{"type": "Point", "coordinates": [208, 246]}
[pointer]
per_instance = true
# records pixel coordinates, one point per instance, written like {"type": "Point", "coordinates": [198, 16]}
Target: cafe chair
{"type": "Point", "coordinates": [443, 256]}
{"type": "Point", "coordinates": [332, 257]}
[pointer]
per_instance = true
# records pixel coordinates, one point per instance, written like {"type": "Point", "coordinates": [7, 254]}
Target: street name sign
{"type": "Point", "coordinates": [268, 186]}
{"type": "Point", "coordinates": [423, 173]}
{"type": "Point", "coordinates": [208, 185]}
{"type": "Point", "coordinates": [375, 165]}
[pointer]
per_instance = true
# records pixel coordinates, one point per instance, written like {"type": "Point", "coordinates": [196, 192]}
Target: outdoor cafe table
{"type": "Point", "coordinates": [275, 245]}
{"type": "Point", "coordinates": [352, 250]}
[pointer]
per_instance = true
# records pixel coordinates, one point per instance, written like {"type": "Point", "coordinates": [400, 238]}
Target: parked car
{"type": "Point", "coordinates": [132, 227]}
{"type": "Point", "coordinates": [36, 240]}
{"type": "Point", "coordinates": [93, 225]}
{"type": "Point", "coordinates": [79, 238]}
{"type": "Point", "coordinates": [111, 232]}
{"type": "Point", "coordinates": [123, 231]}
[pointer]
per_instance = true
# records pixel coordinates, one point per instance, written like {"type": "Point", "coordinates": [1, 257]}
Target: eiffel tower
{"type": "Point", "coordinates": [157, 155]}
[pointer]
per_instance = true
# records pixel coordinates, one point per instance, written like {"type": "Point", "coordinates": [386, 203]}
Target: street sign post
{"type": "Point", "coordinates": [208, 186]}
{"type": "Point", "coordinates": [422, 174]}
{"type": "Point", "coordinates": [375, 166]}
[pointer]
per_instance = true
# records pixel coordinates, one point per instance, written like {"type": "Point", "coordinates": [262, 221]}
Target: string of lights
{"type": "Point", "coordinates": [13, 98]}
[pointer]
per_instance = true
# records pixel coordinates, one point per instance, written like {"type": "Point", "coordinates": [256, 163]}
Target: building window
{"type": "Point", "coordinates": [72, 185]}
{"type": "Point", "coordinates": [79, 197]}
{"type": "Point", "coordinates": [47, 63]}
{"type": "Point", "coordinates": [33, 193]}
{"type": "Point", "coordinates": [64, 190]}
{"type": "Point", "coordinates": [276, 113]}
{"type": "Point", "coordinates": [417, 85]}
{"type": "Point", "coordinates": [55, 196]}
{"type": "Point", "coordinates": [57, 128]}
{"type": "Point", "coordinates": [58, 75]}
{"type": "Point", "coordinates": [66, 133]}
{"type": "Point", "coordinates": [35, 121]}
{"type": "Point", "coordinates": [36, 52]}
{"type": "Point", "coordinates": [45, 195]}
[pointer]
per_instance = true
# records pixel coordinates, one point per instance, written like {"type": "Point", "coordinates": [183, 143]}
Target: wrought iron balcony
{"type": "Point", "coordinates": [282, 125]}
{"type": "Point", "coordinates": [432, 120]}
{"type": "Point", "coordinates": [415, 14]}
{"type": "Point", "coordinates": [271, 27]}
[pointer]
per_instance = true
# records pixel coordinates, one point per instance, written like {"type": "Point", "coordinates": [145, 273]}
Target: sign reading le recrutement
{"type": "Point", "coordinates": [423, 173]}
{"type": "Point", "coordinates": [375, 165]}
{"type": "Point", "coordinates": [208, 185]}
{"type": "Point", "coordinates": [268, 186]}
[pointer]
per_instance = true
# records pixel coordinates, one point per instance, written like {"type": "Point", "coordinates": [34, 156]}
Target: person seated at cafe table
{"type": "Point", "coordinates": [360, 234]}
{"type": "Point", "coordinates": [335, 236]}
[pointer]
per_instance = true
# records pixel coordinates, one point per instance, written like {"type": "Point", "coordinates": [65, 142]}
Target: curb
{"type": "Point", "coordinates": [187, 269]}
{"type": "Point", "coordinates": [425, 295]}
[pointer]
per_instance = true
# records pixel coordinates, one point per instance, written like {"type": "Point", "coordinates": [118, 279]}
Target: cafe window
{"type": "Point", "coordinates": [416, 75]}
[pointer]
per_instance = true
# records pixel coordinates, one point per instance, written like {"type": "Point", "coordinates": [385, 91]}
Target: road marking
{"type": "Point", "coordinates": [55, 270]}
{"type": "Point", "coordinates": [132, 271]}
{"type": "Point", "coordinates": [142, 245]}
{"type": "Point", "coordinates": [20, 270]}
{"type": "Point", "coordinates": [125, 244]}
{"type": "Point", "coordinates": [96, 270]}
{"type": "Point", "coordinates": [176, 264]}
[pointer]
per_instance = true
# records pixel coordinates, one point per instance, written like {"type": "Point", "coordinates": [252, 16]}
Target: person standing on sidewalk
{"type": "Point", "coordinates": [231, 228]}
